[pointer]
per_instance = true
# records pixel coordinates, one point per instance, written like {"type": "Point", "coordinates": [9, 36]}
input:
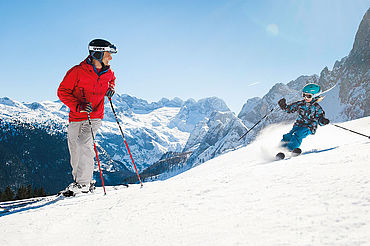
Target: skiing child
{"type": "Point", "coordinates": [82, 90]}
{"type": "Point", "coordinates": [310, 115]}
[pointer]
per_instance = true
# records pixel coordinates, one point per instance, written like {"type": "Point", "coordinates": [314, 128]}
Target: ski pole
{"type": "Point", "coordinates": [96, 152]}
{"type": "Point", "coordinates": [123, 136]}
{"type": "Point", "coordinates": [351, 131]}
{"type": "Point", "coordinates": [256, 124]}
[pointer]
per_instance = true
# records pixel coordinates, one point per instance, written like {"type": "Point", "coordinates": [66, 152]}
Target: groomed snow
{"type": "Point", "coordinates": [240, 198]}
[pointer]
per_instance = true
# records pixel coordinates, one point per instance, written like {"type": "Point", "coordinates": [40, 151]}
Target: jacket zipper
{"type": "Point", "coordinates": [97, 84]}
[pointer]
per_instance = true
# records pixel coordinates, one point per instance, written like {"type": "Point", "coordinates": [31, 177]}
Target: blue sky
{"type": "Point", "coordinates": [231, 49]}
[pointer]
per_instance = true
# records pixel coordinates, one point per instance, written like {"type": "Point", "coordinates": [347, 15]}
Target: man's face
{"type": "Point", "coordinates": [106, 58]}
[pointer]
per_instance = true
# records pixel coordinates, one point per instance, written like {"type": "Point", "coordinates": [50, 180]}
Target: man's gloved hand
{"type": "Point", "coordinates": [282, 103]}
{"type": "Point", "coordinates": [84, 107]}
{"type": "Point", "coordinates": [110, 92]}
{"type": "Point", "coordinates": [324, 121]}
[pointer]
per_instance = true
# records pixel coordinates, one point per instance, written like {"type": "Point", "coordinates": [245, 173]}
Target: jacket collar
{"type": "Point", "coordinates": [87, 63]}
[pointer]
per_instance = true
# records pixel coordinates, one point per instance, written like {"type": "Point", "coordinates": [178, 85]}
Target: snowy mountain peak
{"type": "Point", "coordinates": [11, 103]}
{"type": "Point", "coordinates": [192, 112]}
{"type": "Point", "coordinates": [301, 81]}
{"type": "Point", "coordinates": [7, 101]}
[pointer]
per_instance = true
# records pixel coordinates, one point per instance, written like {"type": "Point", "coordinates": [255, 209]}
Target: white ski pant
{"type": "Point", "coordinates": [81, 149]}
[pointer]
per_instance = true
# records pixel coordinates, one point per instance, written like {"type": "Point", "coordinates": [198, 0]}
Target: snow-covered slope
{"type": "Point", "coordinates": [240, 198]}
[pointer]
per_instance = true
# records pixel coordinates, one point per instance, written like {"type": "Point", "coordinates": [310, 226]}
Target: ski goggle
{"type": "Point", "coordinates": [111, 49]}
{"type": "Point", "coordinates": [307, 95]}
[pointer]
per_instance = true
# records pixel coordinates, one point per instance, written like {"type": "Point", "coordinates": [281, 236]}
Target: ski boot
{"type": "Point", "coordinates": [92, 186]}
{"type": "Point", "coordinates": [280, 156]}
{"type": "Point", "coordinates": [296, 152]}
{"type": "Point", "coordinates": [75, 188]}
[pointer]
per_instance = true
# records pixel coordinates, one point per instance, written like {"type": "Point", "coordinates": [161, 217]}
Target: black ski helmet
{"type": "Point", "coordinates": [98, 46]}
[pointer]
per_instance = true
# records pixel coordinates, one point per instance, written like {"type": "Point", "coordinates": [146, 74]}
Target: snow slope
{"type": "Point", "coordinates": [240, 198]}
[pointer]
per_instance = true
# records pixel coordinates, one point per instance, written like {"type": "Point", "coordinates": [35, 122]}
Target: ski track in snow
{"type": "Point", "coordinates": [240, 198]}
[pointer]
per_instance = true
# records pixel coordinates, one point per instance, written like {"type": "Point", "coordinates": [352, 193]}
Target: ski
{"type": "Point", "coordinates": [70, 193]}
{"type": "Point", "coordinates": [66, 193]}
{"type": "Point", "coordinates": [9, 205]}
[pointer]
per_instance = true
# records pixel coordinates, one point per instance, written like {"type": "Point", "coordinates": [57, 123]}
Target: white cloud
{"type": "Point", "coordinates": [273, 29]}
{"type": "Point", "coordinates": [252, 84]}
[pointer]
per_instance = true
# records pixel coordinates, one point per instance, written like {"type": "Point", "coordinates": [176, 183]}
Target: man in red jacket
{"type": "Point", "coordinates": [82, 90]}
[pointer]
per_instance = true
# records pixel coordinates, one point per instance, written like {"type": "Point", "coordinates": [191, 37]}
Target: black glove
{"type": "Point", "coordinates": [110, 92]}
{"type": "Point", "coordinates": [282, 103]}
{"type": "Point", "coordinates": [324, 121]}
{"type": "Point", "coordinates": [84, 107]}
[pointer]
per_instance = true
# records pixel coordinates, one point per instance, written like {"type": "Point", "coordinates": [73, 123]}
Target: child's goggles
{"type": "Point", "coordinates": [307, 95]}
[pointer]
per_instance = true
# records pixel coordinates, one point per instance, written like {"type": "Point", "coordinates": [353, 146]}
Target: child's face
{"type": "Point", "coordinates": [307, 97]}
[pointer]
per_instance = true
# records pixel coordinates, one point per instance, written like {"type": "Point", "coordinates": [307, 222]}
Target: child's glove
{"type": "Point", "coordinates": [324, 121]}
{"type": "Point", "coordinates": [282, 103]}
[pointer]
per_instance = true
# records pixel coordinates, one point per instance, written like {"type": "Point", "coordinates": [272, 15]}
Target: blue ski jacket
{"type": "Point", "coordinates": [309, 114]}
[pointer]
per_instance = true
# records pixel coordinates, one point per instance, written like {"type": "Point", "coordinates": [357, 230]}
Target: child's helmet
{"type": "Point", "coordinates": [313, 89]}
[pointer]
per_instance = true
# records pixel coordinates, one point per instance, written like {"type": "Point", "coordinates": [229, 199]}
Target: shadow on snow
{"type": "Point", "coordinates": [18, 208]}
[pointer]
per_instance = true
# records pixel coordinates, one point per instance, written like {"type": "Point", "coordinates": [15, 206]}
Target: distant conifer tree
{"type": "Point", "coordinates": [39, 192]}
{"type": "Point", "coordinates": [36, 192]}
{"type": "Point", "coordinates": [8, 194]}
{"type": "Point", "coordinates": [29, 192]}
{"type": "Point", "coordinates": [42, 192]}
{"type": "Point", "coordinates": [21, 193]}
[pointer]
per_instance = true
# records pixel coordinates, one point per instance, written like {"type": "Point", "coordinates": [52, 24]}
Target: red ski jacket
{"type": "Point", "coordinates": [83, 84]}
